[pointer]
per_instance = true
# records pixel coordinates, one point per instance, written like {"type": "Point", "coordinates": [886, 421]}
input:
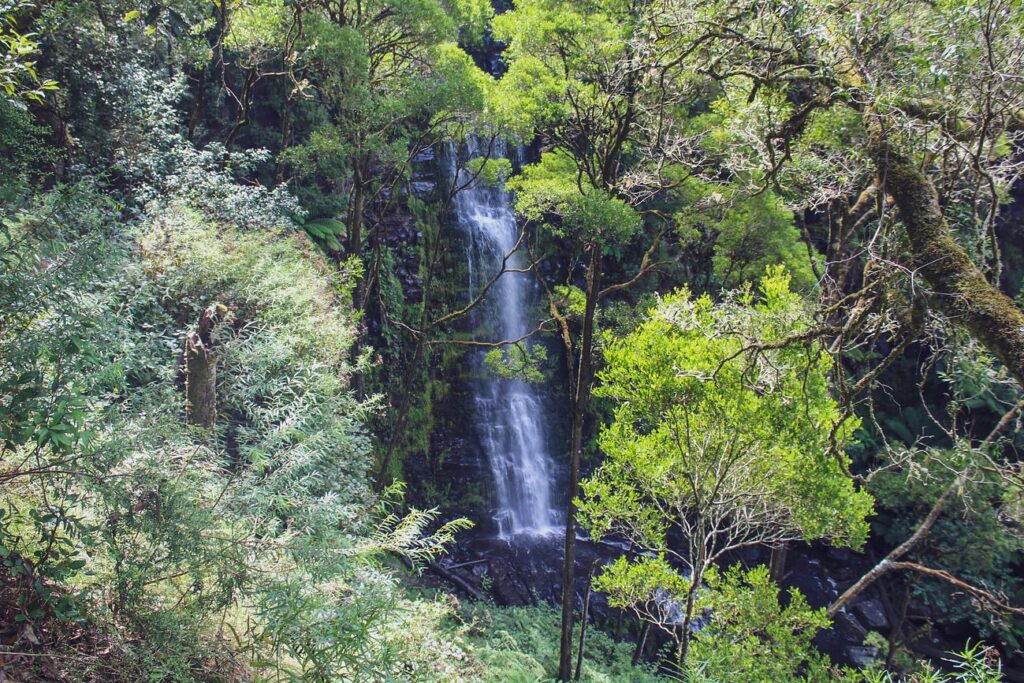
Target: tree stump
{"type": "Point", "coordinates": [201, 370]}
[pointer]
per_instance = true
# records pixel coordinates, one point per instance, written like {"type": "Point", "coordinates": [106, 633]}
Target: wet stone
{"type": "Point", "coordinates": [849, 627]}
{"type": "Point", "coordinates": [861, 656]}
{"type": "Point", "coordinates": [871, 613]}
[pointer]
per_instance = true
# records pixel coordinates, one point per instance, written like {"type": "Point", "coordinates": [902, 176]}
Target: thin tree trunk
{"type": "Point", "coordinates": [199, 110]}
{"type": "Point", "coordinates": [641, 642]}
{"type": "Point", "coordinates": [583, 625]}
{"type": "Point", "coordinates": [242, 119]}
{"type": "Point", "coordinates": [356, 216]}
{"type": "Point", "coordinates": [404, 408]}
{"type": "Point", "coordinates": [581, 399]}
{"type": "Point", "coordinates": [777, 563]}
{"type": "Point", "coordinates": [355, 234]}
{"type": "Point", "coordinates": [691, 602]}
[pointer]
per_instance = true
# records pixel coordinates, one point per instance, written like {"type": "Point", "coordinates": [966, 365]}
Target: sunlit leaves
{"type": "Point", "coordinates": [703, 413]}
{"type": "Point", "coordinates": [527, 97]}
{"type": "Point", "coordinates": [753, 636]}
{"type": "Point", "coordinates": [553, 191]}
{"type": "Point", "coordinates": [522, 361]}
{"type": "Point", "coordinates": [18, 77]}
{"type": "Point", "coordinates": [257, 26]}
{"type": "Point", "coordinates": [648, 579]}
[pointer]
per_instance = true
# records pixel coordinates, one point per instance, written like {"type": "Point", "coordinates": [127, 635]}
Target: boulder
{"type": "Point", "coordinates": [871, 613]}
{"type": "Point", "coordinates": [849, 627]}
{"type": "Point", "coordinates": [861, 656]}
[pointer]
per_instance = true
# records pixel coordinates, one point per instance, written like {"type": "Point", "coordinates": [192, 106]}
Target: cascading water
{"type": "Point", "coordinates": [509, 413]}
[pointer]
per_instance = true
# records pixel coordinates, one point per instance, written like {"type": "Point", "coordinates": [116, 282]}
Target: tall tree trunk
{"type": "Point", "coordinates": [252, 76]}
{"type": "Point", "coordinates": [641, 642]}
{"type": "Point", "coordinates": [199, 111]}
{"type": "Point", "coordinates": [356, 216]}
{"type": "Point", "coordinates": [580, 403]}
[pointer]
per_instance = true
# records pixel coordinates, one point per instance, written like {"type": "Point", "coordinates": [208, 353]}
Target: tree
{"type": "Point", "coordinates": [724, 437]}
{"type": "Point", "coordinates": [922, 99]}
{"type": "Point", "coordinates": [751, 637]}
{"type": "Point", "coordinates": [598, 82]}
{"type": "Point", "coordinates": [201, 370]}
{"type": "Point", "coordinates": [596, 221]}
{"type": "Point", "coordinates": [901, 122]}
{"type": "Point", "coordinates": [392, 81]}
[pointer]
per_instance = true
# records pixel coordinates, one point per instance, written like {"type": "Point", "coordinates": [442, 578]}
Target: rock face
{"type": "Point", "coordinates": [526, 572]}
{"type": "Point", "coordinates": [424, 174]}
{"type": "Point", "coordinates": [821, 574]}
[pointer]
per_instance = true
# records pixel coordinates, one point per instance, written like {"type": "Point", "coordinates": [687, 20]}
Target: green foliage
{"type": "Point", "coordinates": [18, 77]}
{"type": "Point", "coordinates": [570, 299]}
{"type": "Point", "coordinates": [520, 645]}
{"type": "Point", "coordinates": [129, 205]}
{"type": "Point", "coordinates": [556, 50]}
{"type": "Point", "coordinates": [645, 580]}
{"type": "Point", "coordinates": [527, 362]}
{"type": "Point", "coordinates": [748, 233]}
{"type": "Point", "coordinates": [258, 27]}
{"type": "Point", "coordinates": [724, 435]}
{"type": "Point", "coordinates": [550, 189]}
{"type": "Point", "coordinates": [405, 83]}
{"type": "Point", "coordinates": [747, 634]}
{"type": "Point", "coordinates": [974, 664]}
{"type": "Point", "coordinates": [23, 148]}
{"type": "Point", "coordinates": [325, 232]}
{"type": "Point", "coordinates": [130, 518]}
{"type": "Point", "coordinates": [975, 540]}
{"type": "Point", "coordinates": [751, 637]}
{"type": "Point", "coordinates": [694, 388]}
{"type": "Point", "coordinates": [490, 171]}
{"type": "Point", "coordinates": [527, 97]}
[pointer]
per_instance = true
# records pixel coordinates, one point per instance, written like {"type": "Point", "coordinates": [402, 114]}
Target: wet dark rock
{"type": "Point", "coordinates": [425, 157]}
{"type": "Point", "coordinates": [844, 564]}
{"type": "Point", "coordinates": [508, 586]}
{"type": "Point", "coordinates": [918, 610]}
{"type": "Point", "coordinates": [849, 627]}
{"type": "Point", "coordinates": [833, 644]}
{"type": "Point", "coordinates": [861, 656]}
{"type": "Point", "coordinates": [871, 614]}
{"type": "Point", "coordinates": [809, 576]}
{"type": "Point", "coordinates": [423, 188]}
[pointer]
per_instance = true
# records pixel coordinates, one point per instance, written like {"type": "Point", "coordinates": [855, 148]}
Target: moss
{"type": "Point", "coordinates": [961, 289]}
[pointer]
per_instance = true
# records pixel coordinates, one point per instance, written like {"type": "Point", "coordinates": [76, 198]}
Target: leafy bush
{"type": "Point", "coordinates": [752, 637]}
{"type": "Point", "coordinates": [520, 645]}
{"type": "Point", "coordinates": [260, 537]}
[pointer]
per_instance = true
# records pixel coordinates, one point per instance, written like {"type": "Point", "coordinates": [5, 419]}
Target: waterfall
{"type": "Point", "coordinates": [509, 413]}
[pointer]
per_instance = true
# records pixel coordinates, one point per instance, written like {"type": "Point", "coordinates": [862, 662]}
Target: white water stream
{"type": "Point", "coordinates": [509, 415]}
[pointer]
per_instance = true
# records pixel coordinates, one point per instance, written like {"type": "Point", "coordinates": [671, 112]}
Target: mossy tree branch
{"type": "Point", "coordinates": [961, 290]}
